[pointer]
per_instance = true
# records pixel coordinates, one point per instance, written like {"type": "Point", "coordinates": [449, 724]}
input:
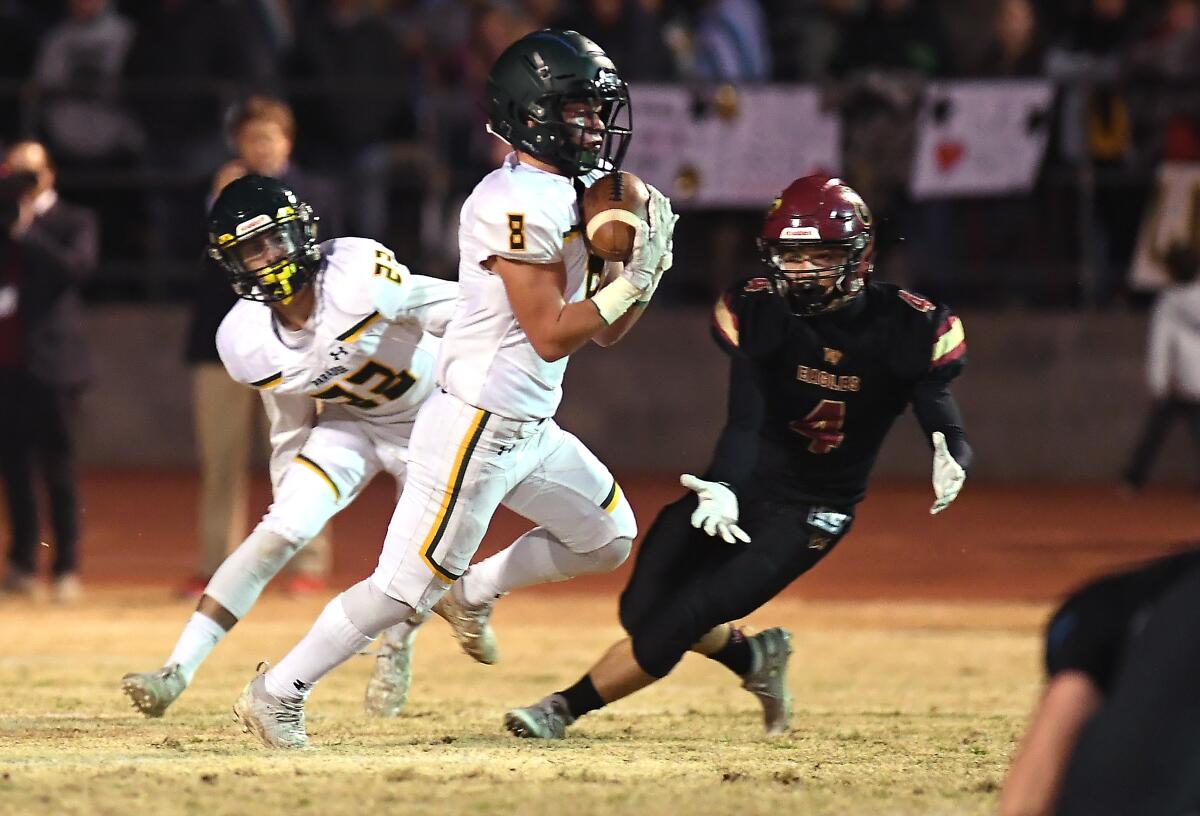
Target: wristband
{"type": "Point", "coordinates": [614, 299]}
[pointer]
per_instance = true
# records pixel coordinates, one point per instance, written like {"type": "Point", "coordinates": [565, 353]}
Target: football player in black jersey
{"type": "Point", "coordinates": [1117, 730]}
{"type": "Point", "coordinates": [823, 361]}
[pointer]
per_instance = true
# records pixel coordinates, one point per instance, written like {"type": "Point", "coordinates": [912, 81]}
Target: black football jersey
{"type": "Point", "coordinates": [832, 385]}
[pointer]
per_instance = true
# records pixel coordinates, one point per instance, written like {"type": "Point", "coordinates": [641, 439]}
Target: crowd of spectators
{"type": "Point", "coordinates": [131, 89]}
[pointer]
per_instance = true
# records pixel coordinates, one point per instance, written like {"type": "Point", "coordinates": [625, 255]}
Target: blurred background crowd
{"type": "Point", "coordinates": [135, 98]}
{"type": "Point", "coordinates": [121, 119]}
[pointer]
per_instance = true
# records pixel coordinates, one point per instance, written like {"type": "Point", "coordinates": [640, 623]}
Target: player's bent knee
{"type": "Point", "coordinates": [371, 610]}
{"type": "Point", "coordinates": [652, 658]}
{"type": "Point", "coordinates": [611, 555]}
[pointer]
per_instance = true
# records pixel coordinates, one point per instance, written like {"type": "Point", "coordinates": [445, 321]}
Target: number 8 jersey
{"type": "Point", "coordinates": [524, 214]}
{"type": "Point", "coordinates": [369, 345]}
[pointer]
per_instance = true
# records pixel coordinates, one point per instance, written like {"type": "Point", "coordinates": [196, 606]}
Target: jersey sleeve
{"type": "Point", "coordinates": [750, 319]}
{"type": "Point", "coordinates": [948, 355]}
{"type": "Point", "coordinates": [928, 342]}
{"type": "Point", "coordinates": [398, 294]}
{"type": "Point", "coordinates": [519, 230]}
{"type": "Point", "coordinates": [242, 354]}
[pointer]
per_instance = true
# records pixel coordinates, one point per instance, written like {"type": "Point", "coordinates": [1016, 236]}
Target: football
{"type": "Point", "coordinates": [612, 208]}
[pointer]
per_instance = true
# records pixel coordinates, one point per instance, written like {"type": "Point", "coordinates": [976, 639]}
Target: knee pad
{"type": "Point", "coordinates": [304, 503]}
{"type": "Point", "coordinates": [244, 573]}
{"type": "Point", "coordinates": [371, 610]}
{"type": "Point", "coordinates": [610, 556]}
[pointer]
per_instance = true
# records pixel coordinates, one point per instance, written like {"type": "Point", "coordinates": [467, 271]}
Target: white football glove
{"type": "Point", "coordinates": [948, 475]}
{"type": "Point", "coordinates": [651, 244]}
{"type": "Point", "coordinates": [717, 511]}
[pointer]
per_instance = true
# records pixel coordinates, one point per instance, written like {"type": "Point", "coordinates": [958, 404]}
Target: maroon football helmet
{"type": "Point", "coordinates": [818, 244]}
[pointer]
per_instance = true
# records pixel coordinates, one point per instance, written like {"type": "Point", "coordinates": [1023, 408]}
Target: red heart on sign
{"type": "Point", "coordinates": [949, 154]}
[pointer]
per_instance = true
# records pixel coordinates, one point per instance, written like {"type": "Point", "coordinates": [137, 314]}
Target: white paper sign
{"type": "Point", "coordinates": [981, 138]}
{"type": "Point", "coordinates": [734, 150]}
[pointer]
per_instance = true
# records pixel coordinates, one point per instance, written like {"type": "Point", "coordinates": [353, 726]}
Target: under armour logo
{"type": "Point", "coordinates": [833, 356]}
{"type": "Point", "coordinates": [338, 353]}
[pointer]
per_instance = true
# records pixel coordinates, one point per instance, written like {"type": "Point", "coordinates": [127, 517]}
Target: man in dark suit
{"type": "Point", "coordinates": [262, 130]}
{"type": "Point", "coordinates": [45, 254]}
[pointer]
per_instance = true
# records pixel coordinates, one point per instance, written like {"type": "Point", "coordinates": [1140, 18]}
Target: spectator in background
{"type": "Point", "coordinates": [46, 252]}
{"type": "Point", "coordinates": [1015, 49]}
{"type": "Point", "coordinates": [805, 36]}
{"type": "Point", "coordinates": [1172, 365]}
{"type": "Point", "coordinates": [729, 42]}
{"type": "Point", "coordinates": [20, 33]}
{"type": "Point", "coordinates": [182, 49]}
{"type": "Point", "coordinates": [895, 35]}
{"type": "Point", "coordinates": [1096, 130]}
{"type": "Point", "coordinates": [262, 131]}
{"type": "Point", "coordinates": [1169, 58]}
{"type": "Point", "coordinates": [78, 67]}
{"type": "Point", "coordinates": [633, 37]}
{"type": "Point", "coordinates": [360, 97]}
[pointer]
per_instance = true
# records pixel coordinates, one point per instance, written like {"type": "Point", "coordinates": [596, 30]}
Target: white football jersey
{"type": "Point", "coordinates": [369, 345]}
{"type": "Point", "coordinates": [519, 212]}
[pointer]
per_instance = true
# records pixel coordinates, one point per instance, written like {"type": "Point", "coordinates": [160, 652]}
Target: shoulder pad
{"type": "Point", "coordinates": [363, 277]}
{"type": "Point", "coordinates": [515, 217]}
{"type": "Point", "coordinates": [241, 346]}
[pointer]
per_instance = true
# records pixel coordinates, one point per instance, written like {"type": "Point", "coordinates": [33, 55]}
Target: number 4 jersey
{"type": "Point", "coordinates": [369, 345]}
{"type": "Point", "coordinates": [819, 394]}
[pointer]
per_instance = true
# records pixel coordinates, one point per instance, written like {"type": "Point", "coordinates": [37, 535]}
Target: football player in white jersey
{"type": "Point", "coordinates": [528, 298]}
{"type": "Point", "coordinates": [340, 340]}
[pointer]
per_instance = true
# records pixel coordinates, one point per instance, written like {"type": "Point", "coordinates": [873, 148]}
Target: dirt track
{"type": "Point", "coordinates": [900, 709]}
{"type": "Point", "coordinates": [995, 542]}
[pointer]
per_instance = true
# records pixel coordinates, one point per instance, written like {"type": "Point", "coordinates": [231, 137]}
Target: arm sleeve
{"type": "Point", "coordinates": [1158, 356]}
{"type": "Point", "coordinates": [937, 410]}
{"type": "Point", "coordinates": [737, 447]}
{"type": "Point", "coordinates": [70, 260]}
{"type": "Point", "coordinates": [291, 418]}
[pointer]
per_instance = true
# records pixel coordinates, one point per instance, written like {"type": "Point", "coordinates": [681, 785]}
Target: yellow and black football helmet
{"type": "Point", "coordinates": [264, 237]}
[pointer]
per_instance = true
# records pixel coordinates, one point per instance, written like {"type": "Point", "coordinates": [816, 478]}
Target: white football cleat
{"type": "Point", "coordinates": [277, 722]}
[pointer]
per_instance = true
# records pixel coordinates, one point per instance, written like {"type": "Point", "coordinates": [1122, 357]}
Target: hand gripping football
{"type": "Point", "coordinates": [612, 209]}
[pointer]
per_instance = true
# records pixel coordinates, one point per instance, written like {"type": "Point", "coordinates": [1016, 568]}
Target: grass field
{"type": "Point", "coordinates": [900, 708]}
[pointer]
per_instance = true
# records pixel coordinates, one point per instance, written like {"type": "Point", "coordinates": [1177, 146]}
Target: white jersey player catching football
{"type": "Point", "coordinates": [340, 340]}
{"type": "Point", "coordinates": [487, 436]}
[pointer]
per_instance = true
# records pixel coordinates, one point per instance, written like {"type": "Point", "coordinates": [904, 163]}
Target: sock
{"type": "Point", "coordinates": [535, 558]}
{"type": "Point", "coordinates": [199, 637]}
{"type": "Point", "coordinates": [582, 697]}
{"type": "Point", "coordinates": [737, 655]}
{"type": "Point", "coordinates": [332, 641]}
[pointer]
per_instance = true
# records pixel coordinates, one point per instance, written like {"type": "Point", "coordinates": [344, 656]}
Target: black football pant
{"type": "Point", "coordinates": [685, 582]}
{"type": "Point", "coordinates": [37, 437]}
{"type": "Point", "coordinates": [1140, 754]}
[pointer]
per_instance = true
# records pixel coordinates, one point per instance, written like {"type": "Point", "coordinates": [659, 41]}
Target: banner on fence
{"type": "Point", "coordinates": [981, 138]}
{"type": "Point", "coordinates": [1172, 217]}
{"type": "Point", "coordinates": [730, 147]}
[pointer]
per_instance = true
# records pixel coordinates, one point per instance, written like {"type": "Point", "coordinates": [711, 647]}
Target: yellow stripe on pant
{"type": "Point", "coordinates": [450, 496]}
{"type": "Point", "coordinates": [317, 469]}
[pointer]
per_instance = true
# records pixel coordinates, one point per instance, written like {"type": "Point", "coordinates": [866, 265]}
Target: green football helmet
{"type": "Point", "coordinates": [264, 237]}
{"type": "Point", "coordinates": [531, 82]}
